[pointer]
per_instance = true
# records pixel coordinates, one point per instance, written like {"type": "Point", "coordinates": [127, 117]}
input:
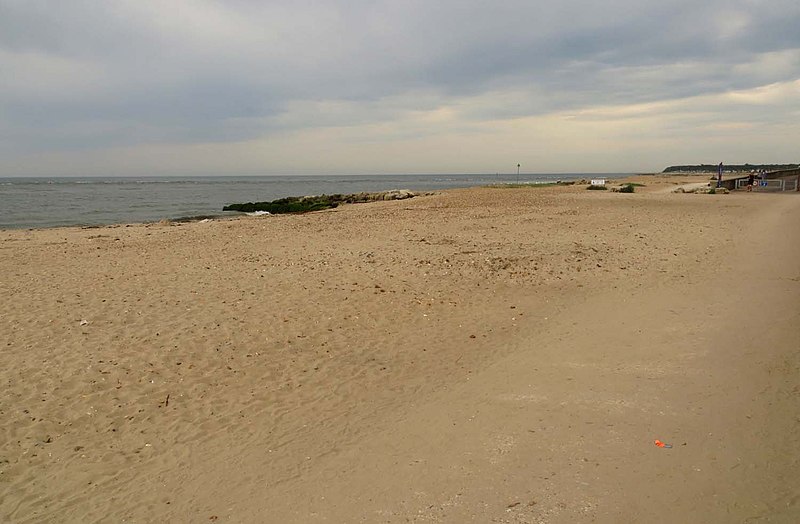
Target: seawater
{"type": "Point", "coordinates": [90, 201]}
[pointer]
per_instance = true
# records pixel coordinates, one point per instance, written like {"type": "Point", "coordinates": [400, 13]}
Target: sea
{"type": "Point", "coordinates": [93, 201]}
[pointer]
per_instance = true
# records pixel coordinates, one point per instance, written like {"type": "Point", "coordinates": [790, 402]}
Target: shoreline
{"type": "Point", "coordinates": [470, 354]}
{"type": "Point", "coordinates": [103, 200]}
{"type": "Point", "coordinates": [641, 178]}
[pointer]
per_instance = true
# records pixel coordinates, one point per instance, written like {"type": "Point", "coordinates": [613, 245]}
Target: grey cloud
{"type": "Point", "coordinates": [80, 28]}
{"type": "Point", "coordinates": [207, 111]}
{"type": "Point", "coordinates": [232, 71]}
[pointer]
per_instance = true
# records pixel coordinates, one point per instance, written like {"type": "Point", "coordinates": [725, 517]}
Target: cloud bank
{"type": "Point", "coordinates": [262, 87]}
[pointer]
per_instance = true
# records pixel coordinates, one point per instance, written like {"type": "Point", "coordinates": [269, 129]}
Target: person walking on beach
{"type": "Point", "coordinates": [719, 175]}
{"type": "Point", "coordinates": [750, 181]}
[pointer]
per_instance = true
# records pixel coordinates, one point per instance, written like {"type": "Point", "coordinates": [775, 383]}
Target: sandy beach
{"type": "Point", "coordinates": [503, 355]}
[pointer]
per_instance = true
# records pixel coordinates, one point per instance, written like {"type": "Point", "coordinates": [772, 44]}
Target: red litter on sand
{"type": "Point", "coordinates": [662, 444]}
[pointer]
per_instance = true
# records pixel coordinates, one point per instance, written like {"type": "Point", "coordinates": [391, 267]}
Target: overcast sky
{"type": "Point", "coordinates": [138, 87]}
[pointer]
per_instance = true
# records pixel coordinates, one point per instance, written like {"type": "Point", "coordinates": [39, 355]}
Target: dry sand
{"type": "Point", "coordinates": [481, 355]}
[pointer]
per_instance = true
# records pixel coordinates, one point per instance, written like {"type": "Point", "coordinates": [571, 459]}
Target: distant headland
{"type": "Point", "coordinates": [706, 168]}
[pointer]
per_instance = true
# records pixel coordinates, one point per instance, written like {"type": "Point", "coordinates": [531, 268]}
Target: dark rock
{"type": "Point", "coordinates": [306, 204]}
